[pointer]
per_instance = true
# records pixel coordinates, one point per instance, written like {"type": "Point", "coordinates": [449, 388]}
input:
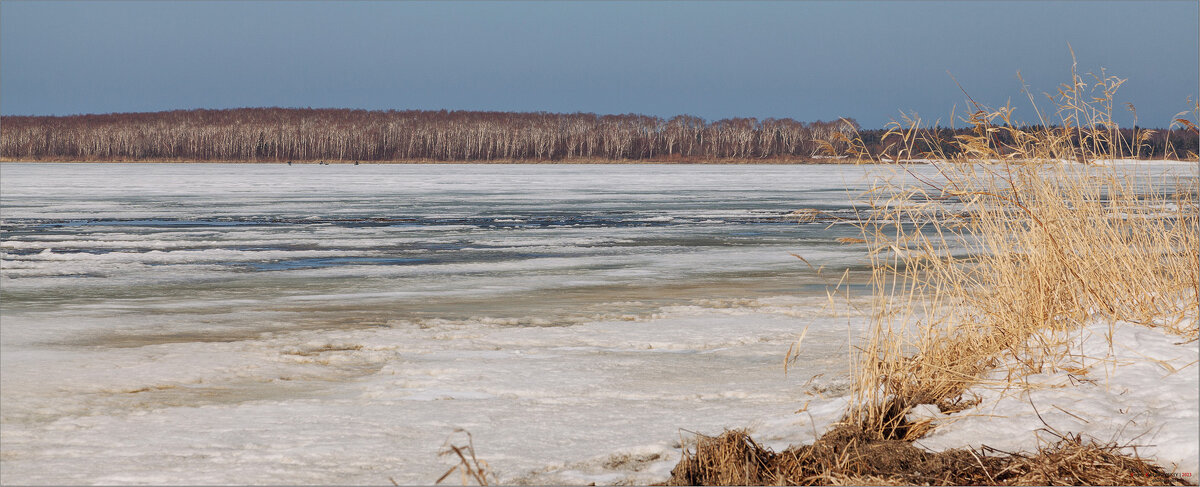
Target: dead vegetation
{"type": "Point", "coordinates": [1011, 247]}
{"type": "Point", "coordinates": [471, 469]}
{"type": "Point", "coordinates": [1023, 237]}
{"type": "Point", "coordinates": [849, 455]}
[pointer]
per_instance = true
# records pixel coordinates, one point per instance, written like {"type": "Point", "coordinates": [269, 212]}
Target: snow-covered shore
{"type": "Point", "coordinates": [1138, 390]}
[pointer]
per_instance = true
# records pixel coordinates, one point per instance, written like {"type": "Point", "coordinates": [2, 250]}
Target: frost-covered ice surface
{"type": "Point", "coordinates": [1138, 389]}
{"type": "Point", "coordinates": [211, 323]}
{"type": "Point", "coordinates": [216, 324]}
{"type": "Point", "coordinates": [363, 405]}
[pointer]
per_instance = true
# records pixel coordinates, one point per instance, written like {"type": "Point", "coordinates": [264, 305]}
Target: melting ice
{"type": "Point", "coordinates": [216, 324]}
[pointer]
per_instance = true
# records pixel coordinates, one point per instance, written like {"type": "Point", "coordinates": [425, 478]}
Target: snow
{"type": "Point", "coordinates": [545, 404]}
{"type": "Point", "coordinates": [1138, 390]}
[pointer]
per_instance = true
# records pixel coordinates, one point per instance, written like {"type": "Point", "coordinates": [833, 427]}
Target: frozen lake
{"type": "Point", "coordinates": [209, 323]}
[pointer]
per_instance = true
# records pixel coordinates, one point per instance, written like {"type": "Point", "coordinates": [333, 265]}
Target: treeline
{"type": "Point", "coordinates": [279, 134]}
{"type": "Point", "coordinates": [1178, 143]}
{"type": "Point", "coordinates": [283, 134]}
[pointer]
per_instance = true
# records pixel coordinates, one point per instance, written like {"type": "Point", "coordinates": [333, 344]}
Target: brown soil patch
{"type": "Point", "coordinates": [849, 456]}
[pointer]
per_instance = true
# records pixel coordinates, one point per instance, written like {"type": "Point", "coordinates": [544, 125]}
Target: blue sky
{"type": "Point", "coordinates": [804, 60]}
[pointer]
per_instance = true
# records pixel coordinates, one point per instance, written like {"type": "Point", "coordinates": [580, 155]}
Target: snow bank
{"type": "Point", "coordinates": [1138, 389]}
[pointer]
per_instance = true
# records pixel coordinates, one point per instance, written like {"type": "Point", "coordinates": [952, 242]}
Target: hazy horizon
{"type": "Point", "coordinates": [802, 60]}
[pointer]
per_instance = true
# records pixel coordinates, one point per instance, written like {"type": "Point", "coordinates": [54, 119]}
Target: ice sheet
{"type": "Point", "coordinates": [214, 324]}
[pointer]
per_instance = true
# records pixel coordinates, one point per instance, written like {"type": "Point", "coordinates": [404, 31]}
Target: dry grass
{"type": "Point", "coordinates": [850, 456]}
{"type": "Point", "coordinates": [471, 469]}
{"type": "Point", "coordinates": [1014, 245]}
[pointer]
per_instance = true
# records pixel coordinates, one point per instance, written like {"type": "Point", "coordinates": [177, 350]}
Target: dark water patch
{"type": "Point", "coordinates": [317, 263]}
{"type": "Point", "coordinates": [90, 250]}
{"type": "Point", "coordinates": [151, 223]}
{"type": "Point", "coordinates": [82, 275]}
{"type": "Point", "coordinates": [444, 247]}
{"type": "Point", "coordinates": [520, 221]}
{"type": "Point", "coordinates": [21, 252]}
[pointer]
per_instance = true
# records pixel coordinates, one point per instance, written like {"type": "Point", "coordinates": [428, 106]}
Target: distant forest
{"type": "Point", "coordinates": [286, 134]}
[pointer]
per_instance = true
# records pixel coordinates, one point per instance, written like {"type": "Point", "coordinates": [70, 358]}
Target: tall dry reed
{"type": "Point", "coordinates": [1022, 237]}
